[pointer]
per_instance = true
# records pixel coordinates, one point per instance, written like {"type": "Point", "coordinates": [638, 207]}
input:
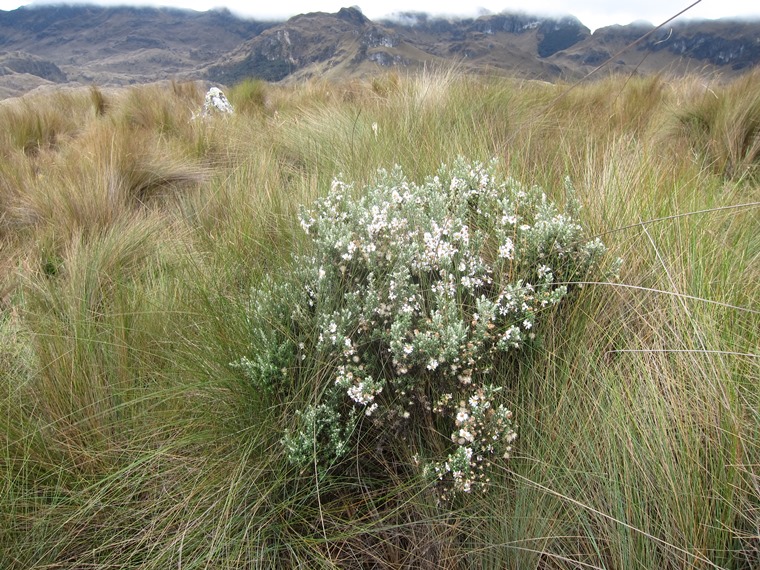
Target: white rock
{"type": "Point", "coordinates": [216, 102]}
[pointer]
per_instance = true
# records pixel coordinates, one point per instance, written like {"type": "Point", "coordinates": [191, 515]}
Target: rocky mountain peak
{"type": "Point", "coordinates": [353, 15]}
{"type": "Point", "coordinates": [558, 34]}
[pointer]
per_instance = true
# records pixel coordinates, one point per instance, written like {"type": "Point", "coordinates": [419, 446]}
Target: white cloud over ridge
{"type": "Point", "coordinates": [593, 13]}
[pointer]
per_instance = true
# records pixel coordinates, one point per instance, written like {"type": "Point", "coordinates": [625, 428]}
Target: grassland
{"type": "Point", "coordinates": [130, 236]}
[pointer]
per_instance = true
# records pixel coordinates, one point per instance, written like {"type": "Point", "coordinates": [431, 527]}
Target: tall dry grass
{"type": "Point", "coordinates": [130, 236]}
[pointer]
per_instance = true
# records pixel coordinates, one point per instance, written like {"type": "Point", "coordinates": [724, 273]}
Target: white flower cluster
{"type": "Point", "coordinates": [481, 428]}
{"type": "Point", "coordinates": [362, 389]}
{"type": "Point", "coordinates": [414, 291]}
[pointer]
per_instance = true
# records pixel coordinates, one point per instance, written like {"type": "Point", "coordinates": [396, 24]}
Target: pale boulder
{"type": "Point", "coordinates": [216, 102]}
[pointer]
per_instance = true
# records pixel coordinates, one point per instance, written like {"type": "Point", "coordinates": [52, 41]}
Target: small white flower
{"type": "Point", "coordinates": [356, 394]}
{"type": "Point", "coordinates": [466, 435]}
{"type": "Point", "coordinates": [306, 224]}
{"type": "Point", "coordinates": [507, 249]}
{"type": "Point", "coordinates": [350, 249]}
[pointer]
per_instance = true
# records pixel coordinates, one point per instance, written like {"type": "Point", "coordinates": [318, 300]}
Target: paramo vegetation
{"type": "Point", "coordinates": [436, 321]}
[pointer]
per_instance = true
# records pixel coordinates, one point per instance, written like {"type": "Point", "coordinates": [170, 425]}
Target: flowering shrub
{"type": "Point", "coordinates": [410, 295]}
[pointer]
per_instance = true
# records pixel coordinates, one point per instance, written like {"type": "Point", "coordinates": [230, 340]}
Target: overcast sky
{"type": "Point", "coordinates": [593, 13]}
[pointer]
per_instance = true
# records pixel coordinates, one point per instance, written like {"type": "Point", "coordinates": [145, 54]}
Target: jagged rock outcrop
{"type": "Point", "coordinates": [513, 42]}
{"type": "Point", "coordinates": [556, 35]}
{"type": "Point", "coordinates": [507, 23]}
{"type": "Point", "coordinates": [353, 15]}
{"type": "Point", "coordinates": [317, 39]}
{"type": "Point", "coordinates": [552, 34]}
{"type": "Point", "coordinates": [720, 44]}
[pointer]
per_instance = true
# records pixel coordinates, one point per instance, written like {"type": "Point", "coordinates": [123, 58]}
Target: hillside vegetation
{"type": "Point", "coordinates": [149, 405]}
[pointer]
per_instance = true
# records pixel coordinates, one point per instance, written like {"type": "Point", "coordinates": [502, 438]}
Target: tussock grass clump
{"type": "Point", "coordinates": [151, 109]}
{"type": "Point", "coordinates": [99, 101]}
{"type": "Point", "coordinates": [102, 172]}
{"type": "Point", "coordinates": [249, 96]}
{"type": "Point", "coordinates": [35, 125]}
{"type": "Point", "coordinates": [722, 125]}
{"type": "Point", "coordinates": [131, 237]}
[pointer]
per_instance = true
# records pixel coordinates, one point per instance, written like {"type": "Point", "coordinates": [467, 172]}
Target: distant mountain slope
{"type": "Point", "coordinates": [119, 45]}
{"type": "Point", "coordinates": [320, 44]}
{"type": "Point", "coordinates": [721, 46]}
{"type": "Point", "coordinates": [45, 45]}
{"type": "Point", "coordinates": [347, 43]}
{"type": "Point", "coordinates": [318, 40]}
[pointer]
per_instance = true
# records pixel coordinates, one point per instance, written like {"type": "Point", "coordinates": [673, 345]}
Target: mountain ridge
{"type": "Point", "coordinates": [86, 44]}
